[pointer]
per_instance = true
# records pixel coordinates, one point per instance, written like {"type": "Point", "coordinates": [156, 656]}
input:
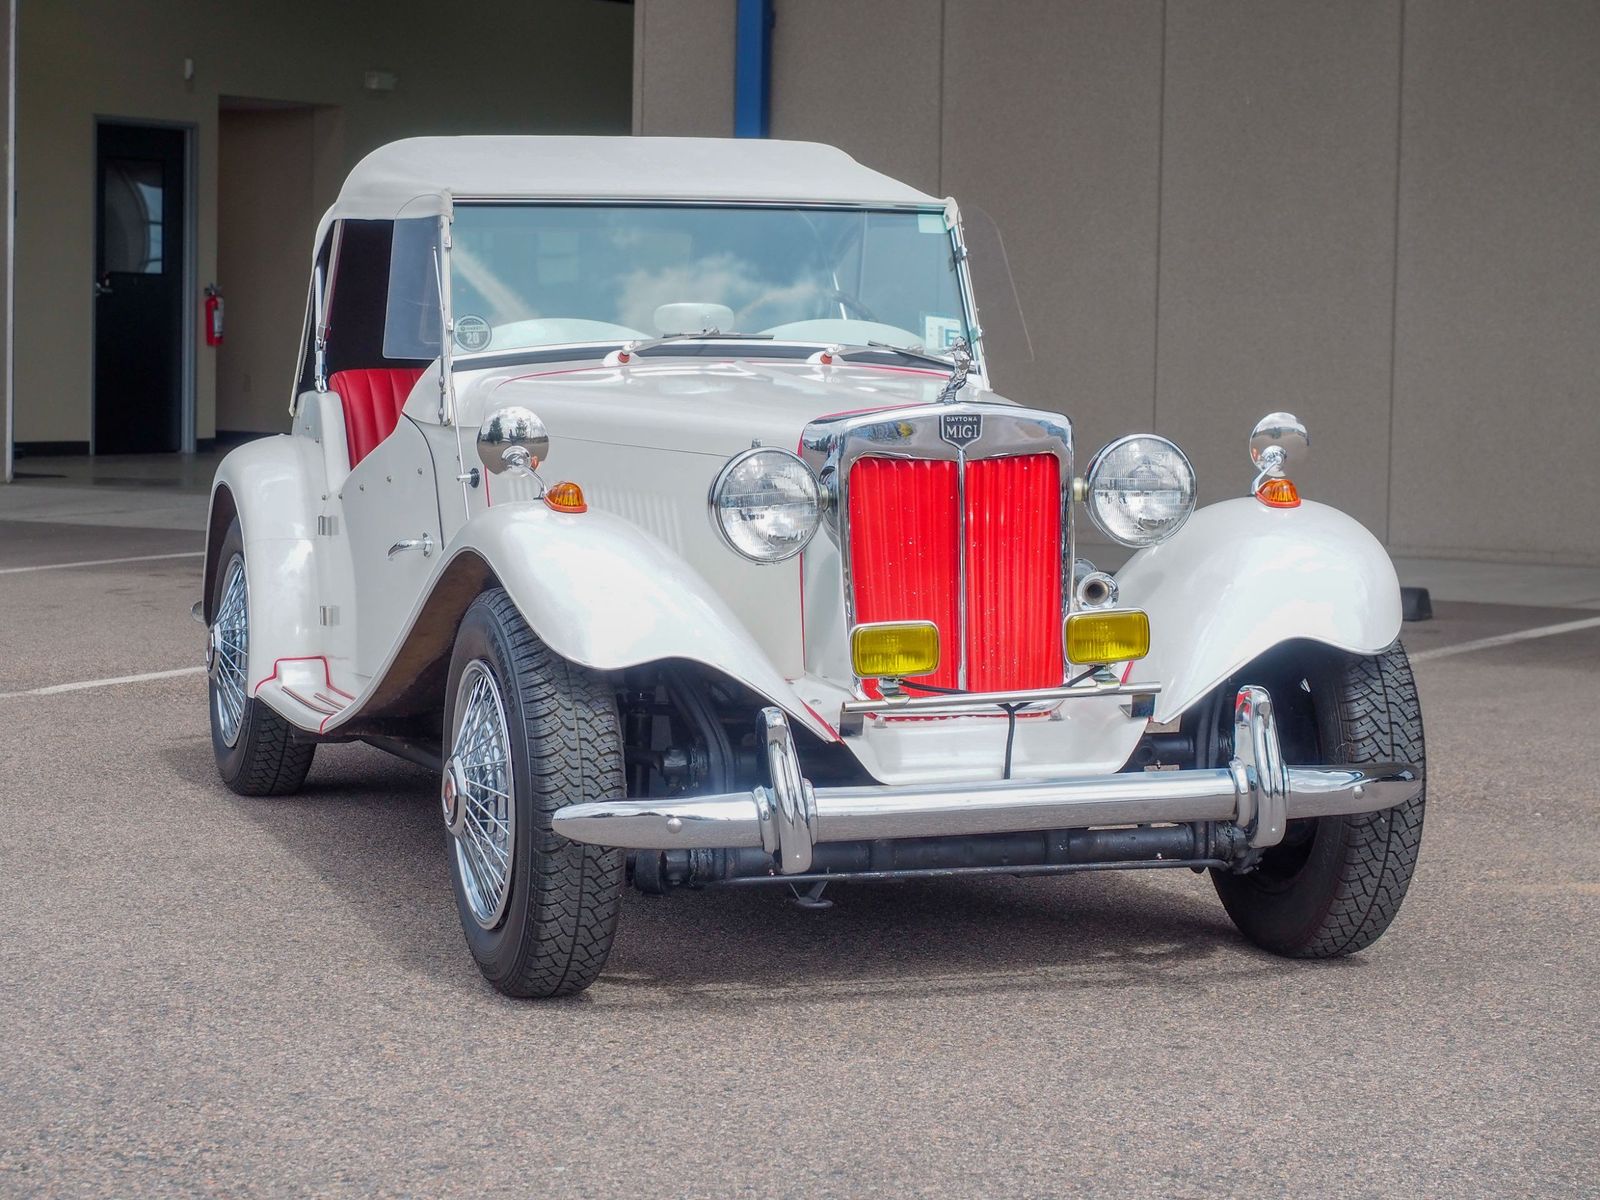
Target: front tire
{"type": "Point", "coordinates": [256, 749]}
{"type": "Point", "coordinates": [528, 733]}
{"type": "Point", "coordinates": [1335, 883]}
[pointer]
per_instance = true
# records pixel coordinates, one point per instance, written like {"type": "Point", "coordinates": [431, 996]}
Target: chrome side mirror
{"type": "Point", "coordinates": [512, 437]}
{"type": "Point", "coordinates": [1278, 440]}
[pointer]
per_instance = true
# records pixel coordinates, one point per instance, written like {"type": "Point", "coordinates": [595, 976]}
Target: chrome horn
{"type": "Point", "coordinates": [512, 437]}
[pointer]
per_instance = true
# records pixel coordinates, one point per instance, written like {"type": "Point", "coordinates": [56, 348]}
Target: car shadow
{"type": "Point", "coordinates": [366, 824]}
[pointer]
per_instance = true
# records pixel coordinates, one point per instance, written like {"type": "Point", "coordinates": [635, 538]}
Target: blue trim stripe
{"type": "Point", "coordinates": [752, 68]}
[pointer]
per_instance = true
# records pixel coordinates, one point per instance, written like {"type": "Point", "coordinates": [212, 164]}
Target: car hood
{"type": "Point", "coordinates": [695, 406]}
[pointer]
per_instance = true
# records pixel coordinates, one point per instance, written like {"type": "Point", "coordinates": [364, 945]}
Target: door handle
{"type": "Point", "coordinates": [423, 543]}
{"type": "Point", "coordinates": [102, 286]}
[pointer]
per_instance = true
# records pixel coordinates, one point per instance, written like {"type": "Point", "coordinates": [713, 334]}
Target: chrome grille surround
{"type": "Point", "coordinates": [831, 446]}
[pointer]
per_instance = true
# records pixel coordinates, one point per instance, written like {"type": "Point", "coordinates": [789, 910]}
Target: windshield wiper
{"type": "Point", "coordinates": [710, 335]}
{"type": "Point", "coordinates": [919, 355]}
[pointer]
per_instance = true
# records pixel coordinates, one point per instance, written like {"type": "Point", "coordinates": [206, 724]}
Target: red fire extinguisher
{"type": "Point", "coordinates": [213, 315]}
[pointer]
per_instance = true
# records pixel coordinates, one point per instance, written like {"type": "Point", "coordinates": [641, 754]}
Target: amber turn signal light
{"type": "Point", "coordinates": [1107, 637]}
{"type": "Point", "coordinates": [1278, 493]}
{"type": "Point", "coordinates": [566, 497]}
{"type": "Point", "coordinates": [894, 650]}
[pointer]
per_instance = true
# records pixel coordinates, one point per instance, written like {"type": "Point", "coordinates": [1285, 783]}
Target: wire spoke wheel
{"type": "Point", "coordinates": [228, 654]}
{"type": "Point", "coordinates": [258, 752]}
{"type": "Point", "coordinates": [478, 795]}
{"type": "Point", "coordinates": [527, 733]}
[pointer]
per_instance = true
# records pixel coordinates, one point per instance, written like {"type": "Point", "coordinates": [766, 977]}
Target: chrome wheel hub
{"type": "Point", "coordinates": [476, 796]}
{"type": "Point", "coordinates": [452, 794]}
{"type": "Point", "coordinates": [228, 653]}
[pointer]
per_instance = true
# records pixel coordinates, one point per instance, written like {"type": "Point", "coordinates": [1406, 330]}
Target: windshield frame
{"type": "Point", "coordinates": [751, 348]}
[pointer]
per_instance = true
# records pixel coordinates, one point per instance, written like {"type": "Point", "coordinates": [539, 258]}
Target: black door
{"type": "Point", "coordinates": [138, 319]}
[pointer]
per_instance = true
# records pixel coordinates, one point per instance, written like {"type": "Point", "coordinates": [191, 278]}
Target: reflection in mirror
{"type": "Point", "coordinates": [512, 437]}
{"type": "Point", "coordinates": [1278, 440]}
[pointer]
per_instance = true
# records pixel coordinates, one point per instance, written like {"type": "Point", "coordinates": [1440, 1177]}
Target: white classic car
{"type": "Point", "coordinates": [653, 493]}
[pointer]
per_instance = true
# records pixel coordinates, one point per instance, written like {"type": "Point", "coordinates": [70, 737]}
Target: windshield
{"type": "Point", "coordinates": [539, 275]}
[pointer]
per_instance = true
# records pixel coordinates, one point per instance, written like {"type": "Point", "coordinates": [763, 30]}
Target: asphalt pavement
{"type": "Point", "coordinates": [206, 994]}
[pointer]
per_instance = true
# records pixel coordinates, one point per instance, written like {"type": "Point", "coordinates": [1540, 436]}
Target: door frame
{"type": "Point", "coordinates": [188, 326]}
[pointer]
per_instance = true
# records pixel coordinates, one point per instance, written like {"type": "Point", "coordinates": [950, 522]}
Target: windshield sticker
{"type": "Point", "coordinates": [940, 333]}
{"type": "Point", "coordinates": [473, 333]}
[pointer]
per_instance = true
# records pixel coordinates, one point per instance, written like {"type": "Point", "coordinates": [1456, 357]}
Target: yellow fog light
{"type": "Point", "coordinates": [895, 649]}
{"type": "Point", "coordinates": [1107, 637]}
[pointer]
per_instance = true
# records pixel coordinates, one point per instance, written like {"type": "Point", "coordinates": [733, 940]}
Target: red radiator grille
{"type": "Point", "coordinates": [1013, 573]}
{"type": "Point", "coordinates": [905, 562]}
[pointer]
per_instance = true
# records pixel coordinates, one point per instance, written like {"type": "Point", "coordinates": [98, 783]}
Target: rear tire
{"type": "Point", "coordinates": [544, 927]}
{"type": "Point", "coordinates": [256, 749]}
{"type": "Point", "coordinates": [1335, 883]}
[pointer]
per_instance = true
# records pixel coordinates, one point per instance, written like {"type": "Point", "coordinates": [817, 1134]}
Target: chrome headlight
{"type": "Point", "coordinates": [766, 504]}
{"type": "Point", "coordinates": [1141, 490]}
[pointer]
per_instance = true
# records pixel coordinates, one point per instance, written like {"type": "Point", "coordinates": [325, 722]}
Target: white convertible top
{"type": "Point", "coordinates": [420, 177]}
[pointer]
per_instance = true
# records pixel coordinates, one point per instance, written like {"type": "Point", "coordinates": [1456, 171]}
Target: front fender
{"type": "Point", "coordinates": [1240, 578]}
{"type": "Point", "coordinates": [600, 592]}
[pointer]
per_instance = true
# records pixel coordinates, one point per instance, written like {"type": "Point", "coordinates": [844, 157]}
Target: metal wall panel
{"type": "Point", "coordinates": [1052, 126]}
{"type": "Point", "coordinates": [683, 67]}
{"type": "Point", "coordinates": [1497, 377]}
{"type": "Point", "coordinates": [1277, 238]}
{"type": "Point", "coordinates": [864, 78]}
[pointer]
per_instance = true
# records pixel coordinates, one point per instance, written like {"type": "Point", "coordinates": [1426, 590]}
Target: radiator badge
{"type": "Point", "coordinates": [961, 429]}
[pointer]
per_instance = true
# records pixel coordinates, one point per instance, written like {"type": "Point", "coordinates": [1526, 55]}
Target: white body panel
{"type": "Point", "coordinates": [298, 578]}
{"type": "Point", "coordinates": [604, 594]}
{"type": "Point", "coordinates": [1240, 578]}
{"type": "Point", "coordinates": [388, 500]}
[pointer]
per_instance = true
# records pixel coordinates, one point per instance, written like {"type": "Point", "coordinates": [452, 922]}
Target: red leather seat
{"type": "Point", "coordinates": [372, 398]}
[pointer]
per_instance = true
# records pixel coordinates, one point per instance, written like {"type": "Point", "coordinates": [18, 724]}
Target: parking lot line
{"type": "Point", "coordinates": [99, 562]}
{"type": "Point", "coordinates": [1505, 639]}
{"type": "Point", "coordinates": [56, 689]}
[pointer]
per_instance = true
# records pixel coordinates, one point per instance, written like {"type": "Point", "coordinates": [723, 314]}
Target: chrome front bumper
{"type": "Point", "coordinates": [1256, 791]}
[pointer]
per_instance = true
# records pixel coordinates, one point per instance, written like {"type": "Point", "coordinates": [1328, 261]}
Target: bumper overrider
{"type": "Point", "coordinates": [1256, 792]}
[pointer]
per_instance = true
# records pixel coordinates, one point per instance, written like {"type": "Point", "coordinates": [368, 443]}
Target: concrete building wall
{"type": "Point", "coordinates": [1277, 237]}
{"type": "Point", "coordinates": [266, 204]}
{"type": "Point", "coordinates": [1380, 214]}
{"type": "Point", "coordinates": [1497, 353]}
{"type": "Point", "coordinates": [499, 66]}
{"type": "Point", "coordinates": [683, 68]}
{"type": "Point", "coordinates": [8, 12]}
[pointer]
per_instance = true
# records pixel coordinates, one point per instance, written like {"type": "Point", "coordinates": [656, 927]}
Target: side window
{"type": "Point", "coordinates": [357, 306]}
{"type": "Point", "coordinates": [411, 308]}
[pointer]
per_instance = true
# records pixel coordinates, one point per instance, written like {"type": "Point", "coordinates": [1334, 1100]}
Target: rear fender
{"type": "Point", "coordinates": [1240, 578]}
{"type": "Point", "coordinates": [274, 486]}
{"type": "Point", "coordinates": [596, 589]}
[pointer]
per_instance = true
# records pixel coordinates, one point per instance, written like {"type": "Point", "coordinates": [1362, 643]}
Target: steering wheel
{"type": "Point", "coordinates": [851, 305]}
